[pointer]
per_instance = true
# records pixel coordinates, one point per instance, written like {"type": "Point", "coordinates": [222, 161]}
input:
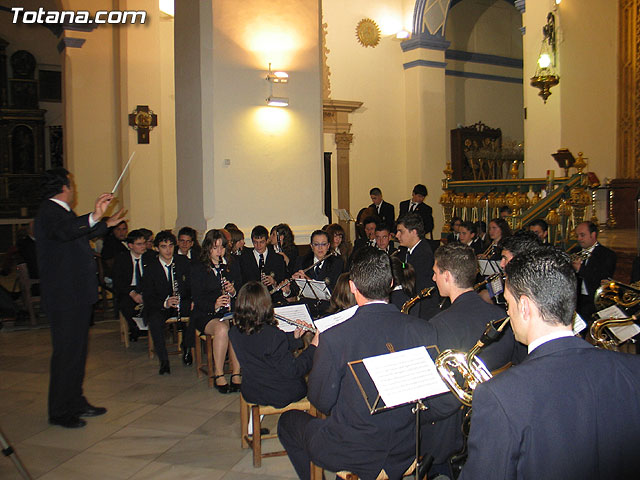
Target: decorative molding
{"type": "Point", "coordinates": [520, 5]}
{"type": "Point", "coordinates": [427, 41]}
{"type": "Point", "coordinates": [70, 42]}
{"type": "Point", "coordinates": [484, 58]}
{"type": "Point", "coordinates": [483, 76]}
{"type": "Point", "coordinates": [424, 63]}
{"type": "Point", "coordinates": [326, 72]}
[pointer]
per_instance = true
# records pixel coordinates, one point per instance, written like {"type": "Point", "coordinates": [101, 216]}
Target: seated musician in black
{"type": "Point", "coordinates": [213, 288]}
{"type": "Point", "coordinates": [468, 235]}
{"type": "Point", "coordinates": [166, 289]}
{"type": "Point", "coordinates": [282, 239]}
{"type": "Point", "coordinates": [261, 263]}
{"type": "Point", "coordinates": [319, 265]}
{"type": "Point", "coordinates": [128, 270]}
{"type": "Point", "coordinates": [498, 231]}
{"type": "Point", "coordinates": [458, 328]}
{"type": "Point", "coordinates": [271, 374]}
{"type": "Point", "coordinates": [115, 242]}
{"type": "Point", "coordinates": [188, 244]}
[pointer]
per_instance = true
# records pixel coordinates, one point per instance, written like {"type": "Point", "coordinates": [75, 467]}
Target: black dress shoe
{"type": "Point", "coordinates": [91, 411]}
{"type": "Point", "coordinates": [235, 387]}
{"type": "Point", "coordinates": [67, 422]}
{"type": "Point", "coordinates": [221, 388]}
{"type": "Point", "coordinates": [164, 368]}
{"type": "Point", "coordinates": [187, 358]}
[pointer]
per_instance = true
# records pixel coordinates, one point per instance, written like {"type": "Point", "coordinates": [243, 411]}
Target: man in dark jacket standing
{"type": "Point", "coordinates": [69, 288]}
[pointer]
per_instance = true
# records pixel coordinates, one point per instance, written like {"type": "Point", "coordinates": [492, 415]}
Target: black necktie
{"type": "Point", "coordinates": [316, 270]}
{"type": "Point", "coordinates": [412, 207]}
{"type": "Point", "coordinates": [169, 276]}
{"type": "Point", "coordinates": [138, 273]}
{"type": "Point", "coordinates": [261, 262]}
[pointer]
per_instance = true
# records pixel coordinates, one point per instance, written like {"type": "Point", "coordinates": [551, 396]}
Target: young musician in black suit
{"type": "Point", "coordinates": [261, 263]}
{"type": "Point", "coordinates": [271, 374]}
{"type": "Point", "coordinates": [417, 205]}
{"type": "Point", "coordinates": [188, 244]}
{"type": "Point", "coordinates": [458, 327]}
{"type": "Point", "coordinates": [410, 234]}
{"type": "Point", "coordinates": [568, 410]}
{"type": "Point", "coordinates": [385, 210]}
{"type": "Point", "coordinates": [213, 289]}
{"type": "Point", "coordinates": [166, 289]}
{"type": "Point", "coordinates": [327, 268]}
{"type": "Point", "coordinates": [128, 270]}
{"type": "Point", "coordinates": [350, 438]}
{"type": "Point", "coordinates": [540, 228]}
{"type": "Point", "coordinates": [404, 284]}
{"type": "Point", "coordinates": [369, 240]}
{"type": "Point", "coordinates": [383, 239]}
{"type": "Point", "coordinates": [69, 288]}
{"type": "Point", "coordinates": [593, 263]}
{"type": "Point", "coordinates": [468, 236]}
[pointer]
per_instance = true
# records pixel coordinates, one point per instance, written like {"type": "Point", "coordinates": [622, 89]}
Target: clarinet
{"type": "Point", "coordinates": [176, 290]}
{"type": "Point", "coordinates": [223, 280]}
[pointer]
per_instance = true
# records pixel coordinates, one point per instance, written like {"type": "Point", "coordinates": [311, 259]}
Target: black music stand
{"type": "Point", "coordinates": [8, 451]}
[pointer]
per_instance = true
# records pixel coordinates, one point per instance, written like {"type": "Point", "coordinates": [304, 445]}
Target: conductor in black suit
{"type": "Point", "coordinates": [69, 288]}
{"type": "Point", "coordinates": [350, 438]}
{"type": "Point", "coordinates": [166, 289]}
{"type": "Point", "coordinates": [410, 234]}
{"type": "Point", "coordinates": [599, 263]}
{"type": "Point", "coordinates": [385, 210]}
{"type": "Point", "coordinates": [568, 410]}
{"type": "Point", "coordinates": [417, 205]}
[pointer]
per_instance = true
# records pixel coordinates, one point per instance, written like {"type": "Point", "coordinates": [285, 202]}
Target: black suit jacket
{"type": "Point", "coordinates": [600, 265]}
{"type": "Point", "coordinates": [68, 271]}
{"type": "Point", "coordinates": [122, 273]}
{"type": "Point", "coordinates": [206, 288]}
{"type": "Point", "coordinates": [156, 288]}
{"type": "Point", "coordinates": [459, 327]}
{"type": "Point", "coordinates": [421, 259]}
{"type": "Point", "coordinates": [271, 375]}
{"type": "Point", "coordinates": [273, 265]}
{"type": "Point", "coordinates": [329, 271]}
{"type": "Point", "coordinates": [385, 440]}
{"type": "Point", "coordinates": [387, 214]}
{"type": "Point", "coordinates": [568, 411]}
{"type": "Point", "coordinates": [425, 212]}
{"type": "Point", "coordinates": [195, 253]}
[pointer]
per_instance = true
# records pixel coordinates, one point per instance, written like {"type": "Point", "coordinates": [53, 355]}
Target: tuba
{"type": "Point", "coordinates": [424, 293]}
{"type": "Point", "coordinates": [472, 369]}
{"type": "Point", "coordinates": [617, 293]}
{"type": "Point", "coordinates": [602, 336]}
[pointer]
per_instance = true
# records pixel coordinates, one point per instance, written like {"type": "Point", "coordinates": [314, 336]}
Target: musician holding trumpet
{"type": "Point", "coordinates": [568, 410]}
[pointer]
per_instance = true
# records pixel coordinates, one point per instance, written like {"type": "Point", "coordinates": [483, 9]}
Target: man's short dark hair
{"type": "Point", "coordinates": [593, 228]}
{"type": "Point", "coordinates": [259, 231]}
{"type": "Point", "coordinates": [380, 227]}
{"type": "Point", "coordinates": [164, 236]}
{"type": "Point", "coordinates": [420, 189]}
{"type": "Point", "coordinates": [481, 226]}
{"type": "Point", "coordinates": [522, 241]}
{"type": "Point", "coordinates": [454, 220]}
{"type": "Point", "coordinates": [134, 235]}
{"type": "Point", "coordinates": [146, 232]}
{"type": "Point", "coordinates": [506, 208]}
{"type": "Point", "coordinates": [470, 227]}
{"type": "Point", "coordinates": [319, 232]}
{"type": "Point", "coordinates": [371, 273]}
{"type": "Point", "coordinates": [412, 221]}
{"type": "Point", "coordinates": [538, 222]}
{"type": "Point", "coordinates": [460, 261]}
{"type": "Point", "coordinates": [369, 220]}
{"type": "Point", "coordinates": [375, 191]}
{"type": "Point", "coordinates": [54, 180]}
{"type": "Point", "coordinates": [546, 276]}
{"type": "Point", "coordinates": [189, 232]}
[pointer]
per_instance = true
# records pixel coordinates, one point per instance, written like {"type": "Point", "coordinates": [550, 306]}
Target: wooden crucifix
{"type": "Point", "coordinates": [143, 120]}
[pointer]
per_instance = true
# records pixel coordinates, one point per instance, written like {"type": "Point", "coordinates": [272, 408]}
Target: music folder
{"type": "Point", "coordinates": [397, 378]}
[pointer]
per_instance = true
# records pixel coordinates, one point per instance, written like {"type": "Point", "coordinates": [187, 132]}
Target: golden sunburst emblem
{"type": "Point", "coordinates": [368, 33]}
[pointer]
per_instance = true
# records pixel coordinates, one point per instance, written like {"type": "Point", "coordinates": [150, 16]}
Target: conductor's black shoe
{"type": "Point", "coordinates": [264, 431]}
{"type": "Point", "coordinates": [67, 422]}
{"type": "Point", "coordinates": [187, 358]}
{"type": "Point", "coordinates": [91, 411]}
{"type": "Point", "coordinates": [164, 368]}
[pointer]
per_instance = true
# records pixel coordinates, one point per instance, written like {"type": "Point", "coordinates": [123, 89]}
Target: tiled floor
{"type": "Point", "coordinates": [160, 427]}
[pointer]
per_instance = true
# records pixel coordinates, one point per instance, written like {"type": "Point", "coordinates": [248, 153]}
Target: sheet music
{"type": "Point", "coordinates": [313, 289]}
{"type": "Point", "coordinates": [612, 312]}
{"type": "Point", "coordinates": [140, 323]}
{"type": "Point", "coordinates": [293, 312]}
{"type": "Point", "coordinates": [329, 321]}
{"type": "Point", "coordinates": [405, 376]}
{"type": "Point", "coordinates": [578, 324]}
{"type": "Point", "coordinates": [488, 267]}
{"type": "Point", "coordinates": [622, 333]}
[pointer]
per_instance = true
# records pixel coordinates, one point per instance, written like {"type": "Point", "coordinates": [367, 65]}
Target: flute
{"type": "Point", "coordinates": [298, 323]}
{"type": "Point", "coordinates": [287, 281]}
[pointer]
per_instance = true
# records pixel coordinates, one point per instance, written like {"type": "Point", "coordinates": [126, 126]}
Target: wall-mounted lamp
{"type": "Point", "coordinates": [276, 78]}
{"type": "Point", "coordinates": [546, 76]}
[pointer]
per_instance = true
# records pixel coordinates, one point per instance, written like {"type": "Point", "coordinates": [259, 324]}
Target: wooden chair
{"type": "Point", "coordinates": [25, 290]}
{"type": "Point", "coordinates": [381, 476]}
{"type": "Point", "coordinates": [255, 440]}
{"type": "Point", "coordinates": [177, 336]}
{"type": "Point", "coordinates": [124, 331]}
{"type": "Point", "coordinates": [204, 366]}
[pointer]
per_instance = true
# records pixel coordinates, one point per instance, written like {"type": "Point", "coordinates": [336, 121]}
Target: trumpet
{"type": "Point", "coordinates": [489, 251]}
{"type": "Point", "coordinates": [617, 293]}
{"type": "Point", "coordinates": [602, 336]}
{"type": "Point", "coordinates": [472, 369]}
{"type": "Point", "coordinates": [582, 255]}
{"type": "Point", "coordinates": [424, 293]}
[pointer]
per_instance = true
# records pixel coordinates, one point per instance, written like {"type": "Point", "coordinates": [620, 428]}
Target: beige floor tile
{"type": "Point", "coordinates": [95, 465]}
{"type": "Point", "coordinates": [19, 426]}
{"type": "Point", "coordinates": [74, 438]}
{"type": "Point", "coordinates": [137, 443]}
{"type": "Point", "coordinates": [277, 467]}
{"type": "Point", "coordinates": [205, 451]}
{"type": "Point", "coordinates": [38, 459]}
{"type": "Point", "coordinates": [166, 471]}
{"type": "Point", "coordinates": [172, 419]}
{"type": "Point", "coordinates": [201, 397]}
{"type": "Point", "coordinates": [149, 393]}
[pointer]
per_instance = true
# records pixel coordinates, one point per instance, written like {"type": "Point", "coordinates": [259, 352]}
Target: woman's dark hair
{"type": "Point", "coordinates": [209, 242]}
{"type": "Point", "coordinates": [341, 297]}
{"type": "Point", "coordinates": [504, 227]}
{"type": "Point", "coordinates": [285, 234]}
{"type": "Point", "coordinates": [236, 236]}
{"type": "Point", "coordinates": [253, 308]}
{"type": "Point", "coordinates": [332, 230]}
{"type": "Point", "coordinates": [404, 275]}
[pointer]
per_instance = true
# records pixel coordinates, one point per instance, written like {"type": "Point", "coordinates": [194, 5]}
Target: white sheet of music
{"type": "Point", "coordinates": [623, 333]}
{"type": "Point", "coordinates": [578, 324]}
{"type": "Point", "coordinates": [295, 313]}
{"type": "Point", "coordinates": [329, 321]}
{"type": "Point", "coordinates": [405, 376]}
{"type": "Point", "coordinates": [313, 289]}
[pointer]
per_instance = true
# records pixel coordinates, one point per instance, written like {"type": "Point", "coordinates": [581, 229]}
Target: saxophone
{"type": "Point", "coordinates": [424, 293]}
